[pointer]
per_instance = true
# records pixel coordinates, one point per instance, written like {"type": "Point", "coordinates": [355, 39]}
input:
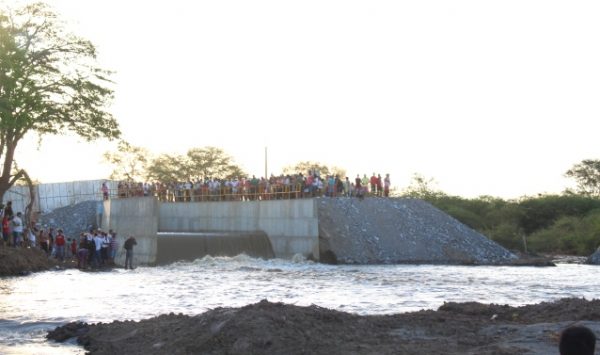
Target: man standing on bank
{"type": "Point", "coordinates": [128, 245]}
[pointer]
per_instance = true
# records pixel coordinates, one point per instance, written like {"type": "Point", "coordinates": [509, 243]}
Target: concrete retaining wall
{"type": "Point", "coordinates": [136, 216]}
{"type": "Point", "coordinates": [49, 197]}
{"type": "Point", "coordinates": [291, 225]}
{"type": "Point", "coordinates": [56, 195]}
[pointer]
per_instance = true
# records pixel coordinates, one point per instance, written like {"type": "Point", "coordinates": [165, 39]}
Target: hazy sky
{"type": "Point", "coordinates": [488, 97]}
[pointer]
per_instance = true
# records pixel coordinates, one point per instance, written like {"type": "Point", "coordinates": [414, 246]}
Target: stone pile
{"type": "Point", "coordinates": [72, 219]}
{"type": "Point", "coordinates": [594, 259]}
{"type": "Point", "coordinates": [399, 230]}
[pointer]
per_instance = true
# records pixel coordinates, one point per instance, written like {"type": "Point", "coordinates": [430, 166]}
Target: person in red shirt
{"type": "Point", "coordinates": [74, 247]}
{"type": "Point", "coordinates": [5, 229]}
{"type": "Point", "coordinates": [60, 242]}
{"type": "Point", "coordinates": [373, 183]}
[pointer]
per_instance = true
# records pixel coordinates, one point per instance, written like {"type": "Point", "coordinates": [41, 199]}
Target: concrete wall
{"type": "Point", "coordinates": [56, 195]}
{"type": "Point", "coordinates": [19, 195]}
{"type": "Point", "coordinates": [51, 196]}
{"type": "Point", "coordinates": [291, 225]}
{"type": "Point", "coordinates": [136, 216]}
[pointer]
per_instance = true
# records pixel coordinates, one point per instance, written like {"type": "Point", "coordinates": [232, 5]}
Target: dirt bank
{"type": "Point", "coordinates": [276, 328]}
{"type": "Point", "coordinates": [22, 261]}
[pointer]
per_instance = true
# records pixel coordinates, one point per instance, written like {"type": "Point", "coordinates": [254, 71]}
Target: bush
{"type": "Point", "coordinates": [567, 224]}
{"type": "Point", "coordinates": [509, 235]}
{"type": "Point", "coordinates": [541, 212]}
{"type": "Point", "coordinates": [569, 235]}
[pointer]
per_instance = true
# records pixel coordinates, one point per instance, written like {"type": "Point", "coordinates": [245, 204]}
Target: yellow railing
{"type": "Point", "coordinates": [227, 193]}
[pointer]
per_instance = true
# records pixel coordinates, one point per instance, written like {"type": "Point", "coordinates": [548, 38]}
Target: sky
{"type": "Point", "coordinates": [495, 98]}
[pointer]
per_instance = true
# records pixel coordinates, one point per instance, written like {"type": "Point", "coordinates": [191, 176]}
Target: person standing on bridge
{"type": "Point", "coordinates": [128, 245]}
{"type": "Point", "coordinates": [386, 185]}
{"type": "Point", "coordinates": [104, 189]}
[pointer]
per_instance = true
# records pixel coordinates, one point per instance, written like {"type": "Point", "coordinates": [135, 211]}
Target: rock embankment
{"type": "Point", "coordinates": [277, 328]}
{"type": "Point", "coordinates": [594, 259]}
{"type": "Point", "coordinates": [72, 219]}
{"type": "Point", "coordinates": [399, 230]}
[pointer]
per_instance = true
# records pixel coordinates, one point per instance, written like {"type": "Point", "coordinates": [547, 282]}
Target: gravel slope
{"type": "Point", "coordinates": [398, 230]}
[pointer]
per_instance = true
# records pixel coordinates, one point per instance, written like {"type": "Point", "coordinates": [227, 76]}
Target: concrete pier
{"type": "Point", "coordinates": [290, 225]}
{"type": "Point", "coordinates": [137, 217]}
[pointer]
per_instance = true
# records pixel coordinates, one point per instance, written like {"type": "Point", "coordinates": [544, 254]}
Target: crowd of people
{"type": "Point", "coordinates": [14, 231]}
{"type": "Point", "coordinates": [97, 249]}
{"type": "Point", "coordinates": [93, 249]}
{"type": "Point", "coordinates": [241, 189]}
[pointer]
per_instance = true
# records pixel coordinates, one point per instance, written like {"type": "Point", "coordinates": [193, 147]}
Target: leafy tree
{"type": "Point", "coordinates": [587, 176]}
{"type": "Point", "coordinates": [568, 235]}
{"type": "Point", "coordinates": [337, 171]}
{"type": "Point", "coordinates": [129, 162]}
{"type": "Point", "coordinates": [423, 188]}
{"type": "Point", "coordinates": [198, 163]}
{"type": "Point", "coordinates": [541, 212]}
{"type": "Point", "coordinates": [49, 84]}
{"type": "Point", "coordinates": [304, 167]}
{"type": "Point", "coordinates": [211, 162]}
{"type": "Point", "coordinates": [166, 168]}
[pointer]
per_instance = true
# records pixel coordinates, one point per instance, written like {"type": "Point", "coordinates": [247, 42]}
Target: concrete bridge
{"type": "Point", "coordinates": [170, 231]}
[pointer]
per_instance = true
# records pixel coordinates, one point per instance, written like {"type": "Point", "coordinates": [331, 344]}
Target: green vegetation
{"type": "Point", "coordinates": [305, 166]}
{"type": "Point", "coordinates": [134, 164]}
{"type": "Point", "coordinates": [49, 84]}
{"type": "Point", "coordinates": [561, 224]}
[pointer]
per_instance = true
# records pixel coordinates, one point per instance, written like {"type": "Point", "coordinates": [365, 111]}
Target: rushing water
{"type": "Point", "coordinates": [31, 305]}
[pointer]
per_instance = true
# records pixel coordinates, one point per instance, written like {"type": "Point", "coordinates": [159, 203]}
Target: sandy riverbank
{"type": "Point", "coordinates": [276, 328]}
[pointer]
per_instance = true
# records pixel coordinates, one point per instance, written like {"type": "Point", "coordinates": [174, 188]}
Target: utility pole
{"type": "Point", "coordinates": [266, 176]}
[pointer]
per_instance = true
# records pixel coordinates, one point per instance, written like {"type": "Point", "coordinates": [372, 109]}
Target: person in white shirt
{"type": "Point", "coordinates": [17, 229]}
{"type": "Point", "coordinates": [31, 237]}
{"type": "Point", "coordinates": [97, 260]}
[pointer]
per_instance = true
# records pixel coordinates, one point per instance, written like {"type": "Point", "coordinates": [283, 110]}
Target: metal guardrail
{"type": "Point", "coordinates": [202, 194]}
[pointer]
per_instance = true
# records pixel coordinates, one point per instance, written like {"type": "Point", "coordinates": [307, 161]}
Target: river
{"type": "Point", "coordinates": [31, 305]}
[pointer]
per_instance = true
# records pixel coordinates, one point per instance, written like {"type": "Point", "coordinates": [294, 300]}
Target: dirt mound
{"type": "Point", "coordinates": [568, 309]}
{"type": "Point", "coordinates": [276, 328]}
{"type": "Point", "coordinates": [400, 230]}
{"type": "Point", "coordinates": [22, 261]}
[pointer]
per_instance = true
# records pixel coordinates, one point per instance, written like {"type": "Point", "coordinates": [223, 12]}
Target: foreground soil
{"type": "Point", "coordinates": [22, 261]}
{"type": "Point", "coordinates": [276, 328]}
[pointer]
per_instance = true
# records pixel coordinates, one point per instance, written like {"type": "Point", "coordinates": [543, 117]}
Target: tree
{"type": "Point", "coordinates": [587, 176]}
{"type": "Point", "coordinates": [49, 84]}
{"type": "Point", "coordinates": [423, 188]}
{"type": "Point", "coordinates": [198, 163]}
{"type": "Point", "coordinates": [211, 162]}
{"type": "Point", "coordinates": [304, 167]}
{"type": "Point", "coordinates": [129, 162]}
{"type": "Point", "coordinates": [166, 168]}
